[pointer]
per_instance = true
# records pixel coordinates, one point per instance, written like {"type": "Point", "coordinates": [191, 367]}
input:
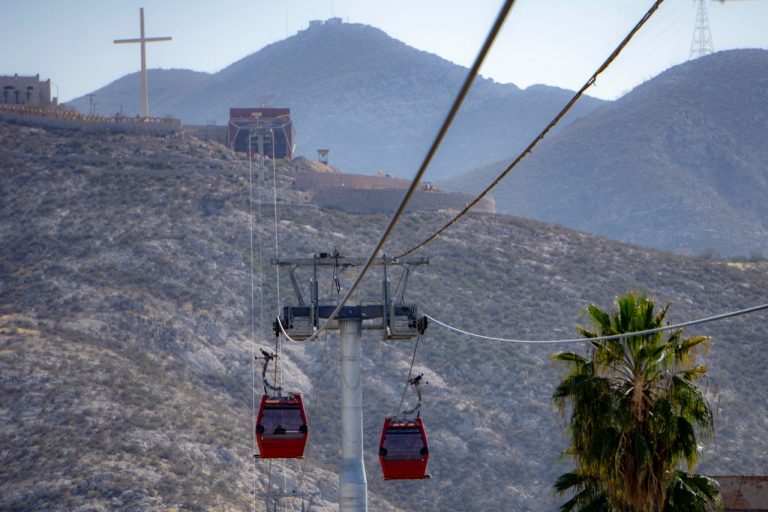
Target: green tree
{"type": "Point", "coordinates": [637, 416]}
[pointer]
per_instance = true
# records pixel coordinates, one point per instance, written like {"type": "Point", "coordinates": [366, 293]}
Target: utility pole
{"type": "Point", "coordinates": [392, 316]}
{"type": "Point", "coordinates": [92, 104]}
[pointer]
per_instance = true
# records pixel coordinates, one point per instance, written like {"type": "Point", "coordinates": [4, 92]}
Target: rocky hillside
{"type": "Point", "coordinates": [680, 163]}
{"type": "Point", "coordinates": [374, 101]}
{"type": "Point", "coordinates": [126, 351]}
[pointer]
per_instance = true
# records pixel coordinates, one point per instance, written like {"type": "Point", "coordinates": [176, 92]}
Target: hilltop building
{"type": "Point", "coordinates": [329, 21]}
{"type": "Point", "coordinates": [273, 126]}
{"type": "Point", "coordinates": [25, 90]}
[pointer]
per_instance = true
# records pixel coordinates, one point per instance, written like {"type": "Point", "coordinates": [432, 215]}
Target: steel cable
{"type": "Point", "coordinates": [672, 327]}
{"type": "Point", "coordinates": [471, 75]}
{"type": "Point", "coordinates": [541, 134]}
{"type": "Point", "coordinates": [410, 372]}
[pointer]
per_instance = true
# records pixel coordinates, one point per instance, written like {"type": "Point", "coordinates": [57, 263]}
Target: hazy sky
{"type": "Point", "coordinates": [554, 42]}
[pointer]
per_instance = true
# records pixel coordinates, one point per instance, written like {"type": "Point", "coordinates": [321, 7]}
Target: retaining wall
{"type": "Point", "coordinates": [358, 200]}
{"type": "Point", "coordinates": [314, 180]}
{"type": "Point", "coordinates": [104, 125]}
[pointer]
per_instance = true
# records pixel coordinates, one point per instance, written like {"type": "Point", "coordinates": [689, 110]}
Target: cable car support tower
{"type": "Point", "coordinates": [391, 315]}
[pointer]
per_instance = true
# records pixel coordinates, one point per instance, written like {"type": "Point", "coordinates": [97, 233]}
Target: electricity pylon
{"type": "Point", "coordinates": [701, 42]}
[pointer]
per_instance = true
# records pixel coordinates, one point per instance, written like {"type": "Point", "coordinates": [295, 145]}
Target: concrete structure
{"type": "Point", "coordinates": [360, 193]}
{"type": "Point", "coordinates": [143, 40]}
{"type": "Point", "coordinates": [353, 485]}
{"type": "Point", "coordinates": [312, 180]}
{"type": "Point", "coordinates": [69, 120]}
{"type": "Point", "coordinates": [25, 90]}
{"type": "Point", "coordinates": [741, 493]}
{"type": "Point", "coordinates": [357, 200]}
{"type": "Point", "coordinates": [330, 21]}
{"type": "Point", "coordinates": [268, 128]}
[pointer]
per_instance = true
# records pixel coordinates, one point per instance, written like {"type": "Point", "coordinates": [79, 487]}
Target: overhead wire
{"type": "Point", "coordinates": [259, 215]}
{"type": "Point", "coordinates": [410, 372]}
{"type": "Point", "coordinates": [541, 134]}
{"type": "Point", "coordinates": [278, 347]}
{"type": "Point", "coordinates": [261, 307]}
{"type": "Point", "coordinates": [672, 327]}
{"type": "Point", "coordinates": [471, 75]}
{"type": "Point", "coordinates": [253, 327]}
{"type": "Point", "coordinates": [316, 402]}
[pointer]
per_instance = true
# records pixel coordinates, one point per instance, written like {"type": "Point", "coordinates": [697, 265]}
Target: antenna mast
{"type": "Point", "coordinates": [701, 42]}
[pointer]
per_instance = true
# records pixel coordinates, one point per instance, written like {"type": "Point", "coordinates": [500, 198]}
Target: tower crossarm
{"type": "Point", "coordinates": [146, 40]}
{"type": "Point", "coordinates": [329, 260]}
{"type": "Point", "coordinates": [395, 318]}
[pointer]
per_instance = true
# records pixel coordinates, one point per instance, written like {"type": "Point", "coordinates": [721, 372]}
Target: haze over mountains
{"type": "Point", "coordinates": [680, 163]}
{"type": "Point", "coordinates": [126, 351]}
{"type": "Point", "coordinates": [126, 348]}
{"type": "Point", "coordinates": [677, 164]}
{"type": "Point", "coordinates": [374, 101]}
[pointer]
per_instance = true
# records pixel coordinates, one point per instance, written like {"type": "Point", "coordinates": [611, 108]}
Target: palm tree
{"type": "Point", "coordinates": [636, 416]}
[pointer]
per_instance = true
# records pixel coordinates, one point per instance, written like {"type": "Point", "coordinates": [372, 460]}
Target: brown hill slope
{"type": "Point", "coordinates": [125, 353]}
{"type": "Point", "coordinates": [680, 163]}
{"type": "Point", "coordinates": [374, 101]}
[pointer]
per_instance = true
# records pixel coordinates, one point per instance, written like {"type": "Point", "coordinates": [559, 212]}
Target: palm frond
{"type": "Point", "coordinates": [636, 412]}
{"type": "Point", "coordinates": [692, 493]}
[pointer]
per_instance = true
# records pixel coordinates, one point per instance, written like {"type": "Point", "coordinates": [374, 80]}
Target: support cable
{"type": "Point", "coordinates": [261, 304]}
{"type": "Point", "coordinates": [278, 346]}
{"type": "Point", "coordinates": [315, 409]}
{"type": "Point", "coordinates": [261, 318]}
{"type": "Point", "coordinates": [672, 327]}
{"type": "Point", "coordinates": [471, 75]}
{"type": "Point", "coordinates": [409, 381]}
{"type": "Point", "coordinates": [316, 402]}
{"type": "Point", "coordinates": [527, 151]}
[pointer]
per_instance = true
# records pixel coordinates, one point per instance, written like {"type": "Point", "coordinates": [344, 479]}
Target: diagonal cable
{"type": "Point", "coordinates": [672, 327]}
{"type": "Point", "coordinates": [410, 372]}
{"type": "Point", "coordinates": [471, 75]}
{"type": "Point", "coordinates": [527, 151]}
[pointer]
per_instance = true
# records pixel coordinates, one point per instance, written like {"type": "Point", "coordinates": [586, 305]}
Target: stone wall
{"type": "Point", "coordinates": [386, 200]}
{"type": "Point", "coordinates": [744, 492]}
{"type": "Point", "coordinates": [313, 180]}
{"type": "Point", "coordinates": [51, 119]}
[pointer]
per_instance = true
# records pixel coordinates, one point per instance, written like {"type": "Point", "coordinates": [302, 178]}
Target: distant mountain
{"type": "Point", "coordinates": [127, 342]}
{"type": "Point", "coordinates": [680, 163]}
{"type": "Point", "coordinates": [374, 101]}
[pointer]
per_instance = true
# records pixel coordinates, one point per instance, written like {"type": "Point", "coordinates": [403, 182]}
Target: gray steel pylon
{"type": "Point", "coordinates": [701, 42]}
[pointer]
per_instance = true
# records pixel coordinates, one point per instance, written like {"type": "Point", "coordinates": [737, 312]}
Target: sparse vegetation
{"type": "Point", "coordinates": [125, 337]}
{"type": "Point", "coordinates": [670, 165]}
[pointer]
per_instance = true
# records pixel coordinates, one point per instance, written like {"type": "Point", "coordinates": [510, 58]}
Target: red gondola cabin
{"type": "Point", "coordinates": [281, 427]}
{"type": "Point", "coordinates": [404, 450]}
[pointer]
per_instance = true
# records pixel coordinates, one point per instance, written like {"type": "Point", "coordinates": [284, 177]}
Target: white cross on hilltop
{"type": "Point", "coordinates": [143, 40]}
